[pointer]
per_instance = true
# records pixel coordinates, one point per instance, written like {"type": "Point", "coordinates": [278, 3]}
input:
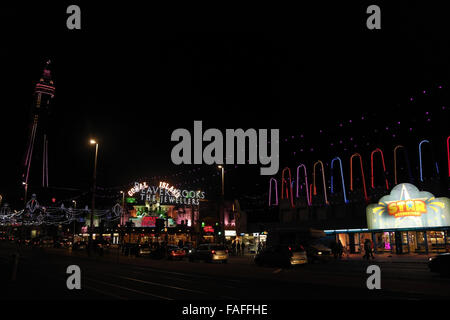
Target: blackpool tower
{"type": "Point", "coordinates": [37, 147]}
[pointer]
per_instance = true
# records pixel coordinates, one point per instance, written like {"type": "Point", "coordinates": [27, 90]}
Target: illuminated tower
{"type": "Point", "coordinates": [38, 139]}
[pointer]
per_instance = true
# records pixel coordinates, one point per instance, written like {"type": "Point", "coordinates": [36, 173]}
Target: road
{"type": "Point", "coordinates": [42, 275]}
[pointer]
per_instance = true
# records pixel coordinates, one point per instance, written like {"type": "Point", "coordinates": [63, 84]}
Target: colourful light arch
{"type": "Point", "coordinates": [420, 159]}
{"type": "Point", "coordinates": [270, 191]}
{"type": "Point", "coordinates": [323, 179]}
{"type": "Point", "coordinates": [384, 168]}
{"type": "Point", "coordinates": [342, 177]}
{"type": "Point", "coordinates": [407, 164]}
{"type": "Point", "coordinates": [283, 181]}
{"type": "Point", "coordinates": [362, 174]}
{"type": "Point", "coordinates": [308, 200]}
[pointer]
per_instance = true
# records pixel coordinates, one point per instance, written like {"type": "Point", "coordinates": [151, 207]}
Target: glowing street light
{"type": "Point", "coordinates": [92, 142]}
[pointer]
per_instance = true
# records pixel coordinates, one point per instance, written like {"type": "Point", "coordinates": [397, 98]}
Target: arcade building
{"type": "Point", "coordinates": [405, 221]}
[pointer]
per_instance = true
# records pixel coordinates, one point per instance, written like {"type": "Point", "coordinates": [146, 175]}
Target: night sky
{"type": "Point", "coordinates": [132, 75]}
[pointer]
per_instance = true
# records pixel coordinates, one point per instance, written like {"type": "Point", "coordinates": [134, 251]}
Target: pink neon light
{"type": "Point", "coordinates": [323, 180]}
{"type": "Point", "coordinates": [448, 154]}
{"type": "Point", "coordinates": [384, 167]}
{"type": "Point", "coordinates": [45, 86]}
{"type": "Point", "coordinates": [283, 181]}
{"type": "Point", "coordinates": [310, 193]}
{"type": "Point", "coordinates": [306, 183]}
{"type": "Point", "coordinates": [362, 174]}
{"type": "Point", "coordinates": [270, 191]}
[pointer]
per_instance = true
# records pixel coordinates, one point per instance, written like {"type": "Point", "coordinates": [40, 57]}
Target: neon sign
{"type": "Point", "coordinates": [208, 229]}
{"type": "Point", "coordinates": [171, 189]}
{"type": "Point", "coordinates": [165, 194]}
{"type": "Point", "coordinates": [407, 207]}
{"type": "Point", "coordinates": [137, 187]}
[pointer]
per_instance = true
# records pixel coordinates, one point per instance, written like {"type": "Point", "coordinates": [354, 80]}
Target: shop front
{"type": "Point", "coordinates": [406, 221]}
{"type": "Point", "coordinates": [161, 213]}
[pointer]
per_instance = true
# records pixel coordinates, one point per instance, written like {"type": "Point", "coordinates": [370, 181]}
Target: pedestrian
{"type": "Point", "coordinates": [340, 249]}
{"type": "Point", "coordinates": [371, 249]}
{"type": "Point", "coordinates": [367, 249]}
{"type": "Point", "coordinates": [334, 249]}
{"type": "Point", "coordinates": [259, 247]}
{"type": "Point", "coordinates": [243, 248]}
{"type": "Point", "coordinates": [233, 248]}
{"type": "Point", "coordinates": [238, 247]}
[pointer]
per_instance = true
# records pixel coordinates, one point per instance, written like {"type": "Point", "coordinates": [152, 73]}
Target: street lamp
{"type": "Point", "coordinates": [92, 142]}
{"type": "Point", "coordinates": [222, 204]}
{"type": "Point", "coordinates": [123, 207]}
{"type": "Point", "coordinates": [26, 190]}
{"type": "Point", "coordinates": [74, 221]}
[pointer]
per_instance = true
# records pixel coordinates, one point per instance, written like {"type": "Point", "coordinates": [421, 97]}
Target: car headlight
{"type": "Point", "coordinates": [319, 252]}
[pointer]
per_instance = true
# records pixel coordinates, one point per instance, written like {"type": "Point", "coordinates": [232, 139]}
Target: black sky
{"type": "Point", "coordinates": [133, 74]}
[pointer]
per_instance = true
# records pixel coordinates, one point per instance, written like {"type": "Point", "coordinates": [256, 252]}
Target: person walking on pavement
{"type": "Point", "coordinates": [371, 249]}
{"type": "Point", "coordinates": [367, 249]}
{"type": "Point", "coordinates": [259, 247]}
{"type": "Point", "coordinates": [238, 247]}
{"type": "Point", "coordinates": [243, 248]}
{"type": "Point", "coordinates": [233, 248]}
{"type": "Point", "coordinates": [340, 249]}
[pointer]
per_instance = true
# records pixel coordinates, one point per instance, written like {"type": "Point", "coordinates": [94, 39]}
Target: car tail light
{"type": "Point", "coordinates": [290, 249]}
{"type": "Point", "coordinates": [213, 251]}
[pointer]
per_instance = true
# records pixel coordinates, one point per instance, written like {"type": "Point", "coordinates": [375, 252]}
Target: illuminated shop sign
{"type": "Point", "coordinates": [171, 189]}
{"type": "Point", "coordinates": [208, 229]}
{"type": "Point", "coordinates": [407, 207]}
{"type": "Point", "coordinates": [230, 233]}
{"type": "Point", "coordinates": [165, 194]}
{"type": "Point", "coordinates": [148, 222]}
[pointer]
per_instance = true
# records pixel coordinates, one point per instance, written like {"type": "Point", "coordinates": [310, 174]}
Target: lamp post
{"type": "Point", "coordinates": [92, 142]}
{"type": "Point", "coordinates": [74, 220]}
{"type": "Point", "coordinates": [123, 207]}
{"type": "Point", "coordinates": [222, 205]}
{"type": "Point", "coordinates": [25, 196]}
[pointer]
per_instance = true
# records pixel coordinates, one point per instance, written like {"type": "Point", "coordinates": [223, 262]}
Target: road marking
{"type": "Point", "coordinates": [129, 289]}
{"type": "Point", "coordinates": [182, 274]}
{"type": "Point", "coordinates": [104, 293]}
{"type": "Point", "coordinates": [277, 271]}
{"type": "Point", "coordinates": [160, 284]}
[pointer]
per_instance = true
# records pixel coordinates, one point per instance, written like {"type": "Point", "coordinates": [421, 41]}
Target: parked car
{"type": "Point", "coordinates": [79, 245]}
{"type": "Point", "coordinates": [188, 248]}
{"type": "Point", "coordinates": [282, 256]}
{"type": "Point", "coordinates": [175, 252]}
{"type": "Point", "coordinates": [210, 252]}
{"type": "Point", "coordinates": [317, 251]}
{"type": "Point", "coordinates": [440, 264]}
{"type": "Point", "coordinates": [143, 250]}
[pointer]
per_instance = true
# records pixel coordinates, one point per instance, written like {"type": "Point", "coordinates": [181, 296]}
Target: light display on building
{"type": "Point", "coordinates": [407, 207]}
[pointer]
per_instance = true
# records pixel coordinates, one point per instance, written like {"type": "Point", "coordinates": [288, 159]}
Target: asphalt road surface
{"type": "Point", "coordinates": [41, 275]}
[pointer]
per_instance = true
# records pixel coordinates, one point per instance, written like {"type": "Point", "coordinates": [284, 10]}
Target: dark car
{"type": "Point", "coordinates": [281, 256]}
{"type": "Point", "coordinates": [318, 252]}
{"type": "Point", "coordinates": [79, 245]}
{"type": "Point", "coordinates": [209, 253]}
{"type": "Point", "coordinates": [175, 252]}
{"type": "Point", "coordinates": [440, 264]}
{"type": "Point", "coordinates": [188, 248]}
{"type": "Point", "coordinates": [143, 250]}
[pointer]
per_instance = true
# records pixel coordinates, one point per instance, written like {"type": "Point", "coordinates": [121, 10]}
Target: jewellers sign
{"type": "Point", "coordinates": [165, 194]}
